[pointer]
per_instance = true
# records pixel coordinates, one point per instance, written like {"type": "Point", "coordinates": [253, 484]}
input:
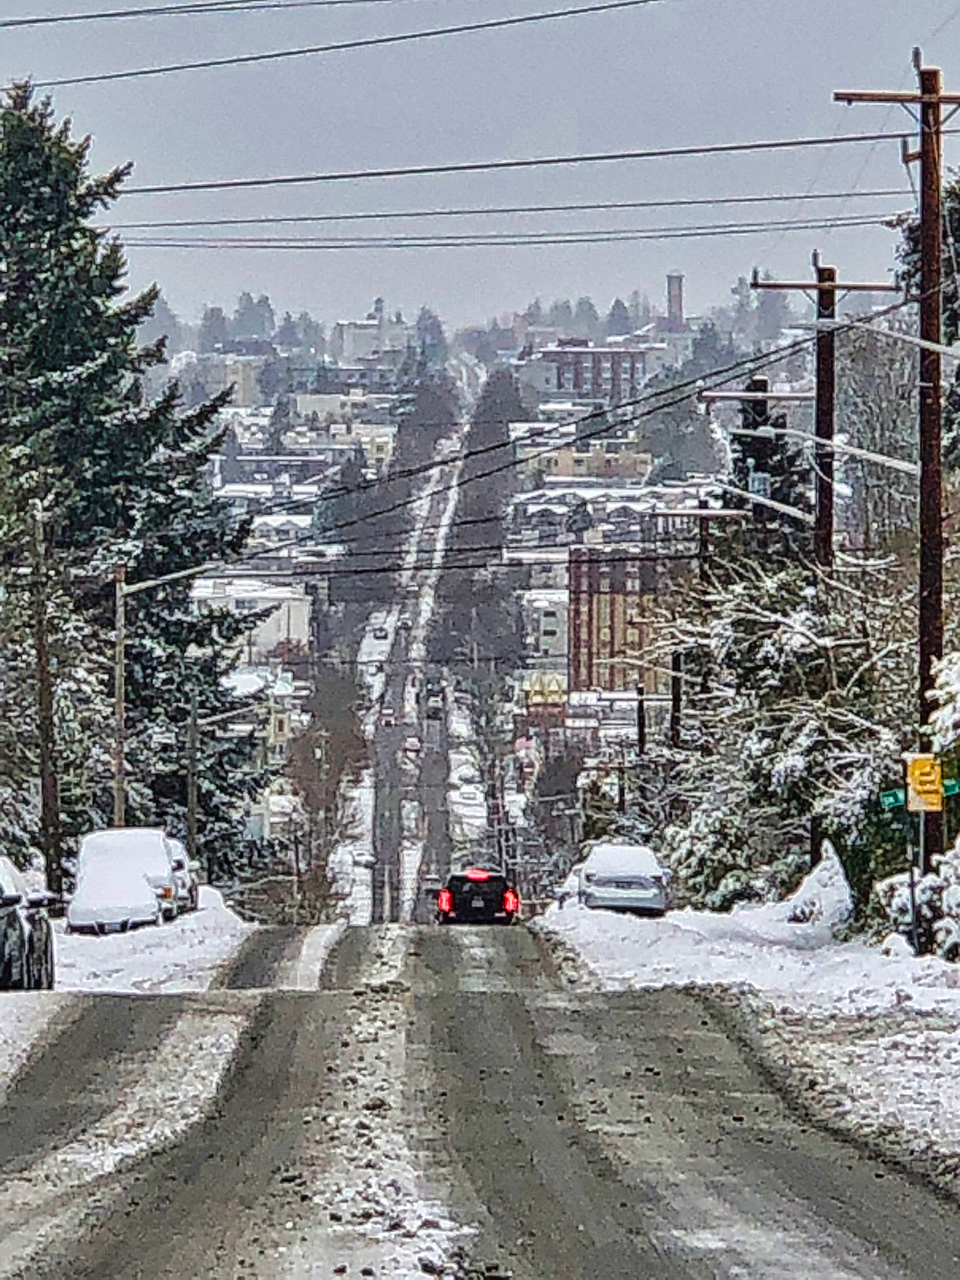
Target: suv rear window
{"type": "Point", "coordinates": [491, 889]}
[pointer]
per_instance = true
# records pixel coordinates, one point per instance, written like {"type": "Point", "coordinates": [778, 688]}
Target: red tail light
{"type": "Point", "coordinates": [445, 901]}
{"type": "Point", "coordinates": [511, 902]}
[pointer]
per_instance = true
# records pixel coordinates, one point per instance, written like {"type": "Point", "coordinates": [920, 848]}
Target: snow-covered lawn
{"type": "Point", "coordinates": [181, 956]}
{"type": "Point", "coordinates": [866, 1037]}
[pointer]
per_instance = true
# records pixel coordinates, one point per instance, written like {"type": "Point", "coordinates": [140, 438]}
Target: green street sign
{"type": "Point", "coordinates": [898, 798]}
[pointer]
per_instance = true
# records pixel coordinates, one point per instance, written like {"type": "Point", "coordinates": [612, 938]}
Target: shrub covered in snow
{"type": "Point", "coordinates": [793, 709]}
{"type": "Point", "coordinates": [937, 899]}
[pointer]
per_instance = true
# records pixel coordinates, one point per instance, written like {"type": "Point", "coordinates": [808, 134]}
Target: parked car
{"type": "Point", "coordinates": [569, 891]}
{"type": "Point", "coordinates": [112, 896]}
{"type": "Point", "coordinates": [624, 877]}
{"type": "Point", "coordinates": [477, 896]}
{"type": "Point", "coordinates": [388, 717]}
{"type": "Point", "coordinates": [147, 849]}
{"type": "Point", "coordinates": [27, 960]}
{"type": "Point", "coordinates": [188, 884]}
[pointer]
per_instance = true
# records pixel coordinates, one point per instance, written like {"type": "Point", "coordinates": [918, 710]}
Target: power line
{"type": "Point", "coordinates": [488, 210]}
{"type": "Point", "coordinates": [490, 166]}
{"type": "Point", "coordinates": [685, 389]}
{"type": "Point", "coordinates": [175, 10]}
{"type": "Point", "coordinates": [508, 239]}
{"type": "Point", "coordinates": [342, 46]}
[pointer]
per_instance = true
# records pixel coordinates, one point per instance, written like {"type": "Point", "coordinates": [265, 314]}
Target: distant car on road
{"type": "Point", "coordinates": [388, 717]}
{"type": "Point", "coordinates": [26, 937]}
{"type": "Point", "coordinates": [405, 623]}
{"type": "Point", "coordinates": [477, 896]}
{"type": "Point", "coordinates": [381, 633]}
{"type": "Point", "coordinates": [412, 745]}
{"type": "Point", "coordinates": [624, 877]}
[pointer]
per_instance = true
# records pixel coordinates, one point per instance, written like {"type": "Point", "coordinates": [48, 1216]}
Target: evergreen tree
{"type": "Point", "coordinates": [312, 334]}
{"type": "Point", "coordinates": [560, 316]}
{"type": "Point", "coordinates": [213, 334]}
{"type": "Point", "coordinates": [586, 321]}
{"type": "Point", "coordinates": [288, 335]}
{"type": "Point", "coordinates": [162, 323]}
{"type": "Point", "coordinates": [431, 338]}
{"type": "Point", "coordinates": [103, 478]}
{"type": "Point", "coordinates": [773, 313]}
{"type": "Point", "coordinates": [618, 319]}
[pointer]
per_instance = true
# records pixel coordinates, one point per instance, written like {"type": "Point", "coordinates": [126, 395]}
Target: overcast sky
{"type": "Point", "coordinates": [674, 72]}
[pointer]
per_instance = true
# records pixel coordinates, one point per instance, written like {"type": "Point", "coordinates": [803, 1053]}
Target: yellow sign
{"type": "Point", "coordinates": [924, 784]}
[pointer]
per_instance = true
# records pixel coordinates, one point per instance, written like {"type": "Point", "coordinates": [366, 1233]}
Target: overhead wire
{"type": "Point", "coordinates": [517, 239]}
{"type": "Point", "coordinates": [496, 166]}
{"type": "Point", "coordinates": [488, 210]}
{"type": "Point", "coordinates": [178, 10]}
{"type": "Point", "coordinates": [343, 46]}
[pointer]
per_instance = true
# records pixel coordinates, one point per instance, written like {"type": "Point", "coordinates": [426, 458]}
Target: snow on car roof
{"type": "Point", "coordinates": [635, 859]}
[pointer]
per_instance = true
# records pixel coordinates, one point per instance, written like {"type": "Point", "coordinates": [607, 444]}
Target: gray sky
{"type": "Point", "coordinates": [676, 72]}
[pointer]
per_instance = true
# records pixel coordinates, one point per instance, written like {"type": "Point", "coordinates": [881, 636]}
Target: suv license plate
{"type": "Point", "coordinates": [478, 904]}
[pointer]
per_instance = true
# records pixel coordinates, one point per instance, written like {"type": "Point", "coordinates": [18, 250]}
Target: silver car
{"type": "Point", "coordinates": [624, 877]}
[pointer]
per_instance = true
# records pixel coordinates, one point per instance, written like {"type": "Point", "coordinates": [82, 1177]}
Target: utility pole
{"type": "Point", "coordinates": [46, 722]}
{"type": "Point", "coordinates": [119, 692]}
{"type": "Point", "coordinates": [641, 717]}
{"type": "Point", "coordinates": [825, 396]}
{"type": "Point", "coordinates": [825, 414]}
{"type": "Point", "coordinates": [192, 768]}
{"type": "Point", "coordinates": [676, 680]}
{"type": "Point", "coordinates": [930, 99]}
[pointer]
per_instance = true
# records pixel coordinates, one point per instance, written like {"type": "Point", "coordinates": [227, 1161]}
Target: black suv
{"type": "Point", "coordinates": [26, 936]}
{"type": "Point", "coordinates": [477, 896]}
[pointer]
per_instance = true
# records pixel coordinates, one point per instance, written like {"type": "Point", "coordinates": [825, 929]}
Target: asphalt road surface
{"type": "Point", "coordinates": [582, 1135]}
{"type": "Point", "coordinates": [390, 780]}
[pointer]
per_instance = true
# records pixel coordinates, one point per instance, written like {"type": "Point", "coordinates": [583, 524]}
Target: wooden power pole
{"type": "Point", "coordinates": [931, 100]}
{"type": "Point", "coordinates": [46, 721]}
{"type": "Point", "coordinates": [826, 288]}
{"type": "Point", "coordinates": [119, 697]}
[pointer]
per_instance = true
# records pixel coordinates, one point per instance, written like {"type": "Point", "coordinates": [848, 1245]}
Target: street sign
{"type": "Point", "coordinates": [897, 798]}
{"type": "Point", "coordinates": [924, 783]}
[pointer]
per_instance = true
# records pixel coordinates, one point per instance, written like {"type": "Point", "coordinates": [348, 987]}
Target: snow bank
{"type": "Point", "coordinates": [350, 863]}
{"type": "Point", "coordinates": [866, 1038]}
{"type": "Point", "coordinates": [184, 955]}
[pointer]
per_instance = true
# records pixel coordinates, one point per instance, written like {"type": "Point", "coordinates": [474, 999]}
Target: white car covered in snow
{"type": "Point", "coordinates": [146, 852]}
{"type": "Point", "coordinates": [623, 877]}
{"type": "Point", "coordinates": [112, 896]}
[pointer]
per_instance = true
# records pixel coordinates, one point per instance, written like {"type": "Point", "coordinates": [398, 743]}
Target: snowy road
{"type": "Point", "coordinates": [431, 1101]}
